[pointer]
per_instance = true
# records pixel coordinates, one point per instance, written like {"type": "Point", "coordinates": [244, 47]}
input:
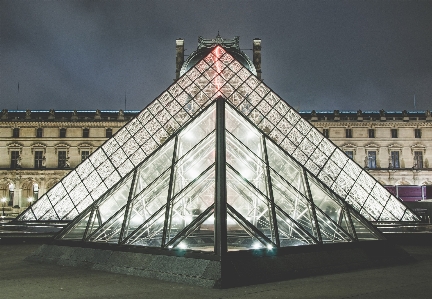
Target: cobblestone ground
{"type": "Point", "coordinates": [20, 279]}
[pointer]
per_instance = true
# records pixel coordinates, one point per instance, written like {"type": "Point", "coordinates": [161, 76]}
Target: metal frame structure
{"type": "Point", "coordinates": [217, 76]}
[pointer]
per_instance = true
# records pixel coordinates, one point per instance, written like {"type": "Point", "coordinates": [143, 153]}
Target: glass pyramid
{"type": "Point", "coordinates": [212, 187]}
{"type": "Point", "coordinates": [294, 148]}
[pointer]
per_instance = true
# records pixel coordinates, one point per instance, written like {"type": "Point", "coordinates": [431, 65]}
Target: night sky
{"type": "Point", "coordinates": [322, 55]}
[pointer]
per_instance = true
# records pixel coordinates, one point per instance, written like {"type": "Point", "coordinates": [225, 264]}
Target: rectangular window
{"type": "Point", "coordinates": [394, 133]}
{"type": "Point", "coordinates": [108, 133]}
{"type": "Point", "coordinates": [86, 133]}
{"type": "Point", "coordinates": [84, 155]}
{"type": "Point", "coordinates": [394, 159]}
{"type": "Point", "coordinates": [15, 132]}
{"type": "Point", "coordinates": [418, 159]}
{"type": "Point", "coordinates": [372, 159]}
{"type": "Point", "coordinates": [417, 133]}
{"type": "Point", "coordinates": [350, 154]}
{"type": "Point", "coordinates": [38, 157]}
{"type": "Point", "coordinates": [62, 133]}
{"type": "Point", "coordinates": [348, 133]}
{"type": "Point", "coordinates": [15, 156]}
{"type": "Point", "coordinates": [326, 133]}
{"type": "Point", "coordinates": [39, 133]}
{"type": "Point", "coordinates": [61, 159]}
{"type": "Point", "coordinates": [371, 133]}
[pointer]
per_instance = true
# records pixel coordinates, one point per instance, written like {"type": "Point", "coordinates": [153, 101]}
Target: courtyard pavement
{"type": "Point", "coordinates": [21, 279]}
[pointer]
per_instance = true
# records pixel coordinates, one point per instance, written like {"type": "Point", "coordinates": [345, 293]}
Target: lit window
{"type": "Point", "coordinates": [38, 157]}
{"type": "Point", "coordinates": [350, 154]}
{"type": "Point", "coordinates": [371, 163]}
{"type": "Point", "coordinates": [62, 133]}
{"type": "Point", "coordinates": [371, 133]}
{"type": "Point", "coordinates": [84, 155]}
{"type": "Point", "coordinates": [394, 133]}
{"type": "Point", "coordinates": [326, 133]}
{"type": "Point", "coordinates": [348, 133]}
{"type": "Point", "coordinates": [39, 132]}
{"type": "Point", "coordinates": [61, 159]}
{"type": "Point", "coordinates": [394, 159]}
{"type": "Point", "coordinates": [418, 159]}
{"type": "Point", "coordinates": [86, 133]}
{"type": "Point", "coordinates": [15, 132]}
{"type": "Point", "coordinates": [108, 133]}
{"type": "Point", "coordinates": [417, 133]}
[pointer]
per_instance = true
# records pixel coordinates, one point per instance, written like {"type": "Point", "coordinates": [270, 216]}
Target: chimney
{"type": "Point", "coordinates": [179, 56]}
{"type": "Point", "coordinates": [257, 56]}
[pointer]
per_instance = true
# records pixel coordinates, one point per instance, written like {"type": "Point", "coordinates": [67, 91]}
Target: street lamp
{"type": "Point", "coordinates": [3, 200]}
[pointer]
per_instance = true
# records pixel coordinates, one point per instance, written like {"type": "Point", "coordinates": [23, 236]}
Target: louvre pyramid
{"type": "Point", "coordinates": [218, 75]}
{"type": "Point", "coordinates": [219, 176]}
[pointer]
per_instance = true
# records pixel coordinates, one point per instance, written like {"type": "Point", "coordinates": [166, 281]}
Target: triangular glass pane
{"type": "Point", "coordinates": [247, 201]}
{"type": "Point", "coordinates": [285, 167]}
{"type": "Point", "coordinates": [148, 202]}
{"type": "Point", "coordinates": [293, 203]}
{"type": "Point", "coordinates": [202, 238]}
{"type": "Point", "coordinates": [330, 231]}
{"type": "Point", "coordinates": [246, 163]}
{"type": "Point", "coordinates": [191, 202]}
{"type": "Point", "coordinates": [77, 232]}
{"type": "Point", "coordinates": [363, 231]}
{"type": "Point", "coordinates": [191, 165]}
{"type": "Point", "coordinates": [330, 204]}
{"type": "Point", "coordinates": [115, 200]}
{"type": "Point", "coordinates": [238, 238]}
{"type": "Point", "coordinates": [109, 232]}
{"type": "Point", "coordinates": [289, 233]}
{"type": "Point", "coordinates": [150, 232]}
{"type": "Point", "coordinates": [94, 223]}
{"type": "Point", "coordinates": [154, 166]}
{"type": "Point", "coordinates": [243, 131]}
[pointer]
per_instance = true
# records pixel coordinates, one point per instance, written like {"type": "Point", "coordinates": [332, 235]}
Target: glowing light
{"type": "Point", "coordinates": [30, 199]}
{"type": "Point", "coordinates": [182, 245]}
{"type": "Point", "coordinates": [3, 200]}
{"type": "Point", "coordinates": [256, 245]}
{"type": "Point", "coordinates": [269, 247]}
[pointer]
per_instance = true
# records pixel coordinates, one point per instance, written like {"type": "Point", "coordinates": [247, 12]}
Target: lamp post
{"type": "Point", "coordinates": [30, 200]}
{"type": "Point", "coordinates": [3, 200]}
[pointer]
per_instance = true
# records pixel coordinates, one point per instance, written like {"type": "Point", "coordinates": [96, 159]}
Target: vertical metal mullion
{"type": "Point", "coordinates": [270, 187]}
{"type": "Point", "coordinates": [312, 206]}
{"type": "Point", "coordinates": [221, 247]}
{"type": "Point", "coordinates": [128, 204]}
{"type": "Point", "coordinates": [170, 188]}
{"type": "Point", "coordinates": [351, 223]}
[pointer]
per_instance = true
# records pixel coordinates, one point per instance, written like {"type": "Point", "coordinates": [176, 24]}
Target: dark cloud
{"type": "Point", "coordinates": [321, 55]}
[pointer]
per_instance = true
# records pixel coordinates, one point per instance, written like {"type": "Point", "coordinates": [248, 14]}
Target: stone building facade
{"type": "Point", "coordinates": [38, 148]}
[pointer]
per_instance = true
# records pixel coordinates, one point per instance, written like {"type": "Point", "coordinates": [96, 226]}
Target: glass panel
{"type": "Point", "coordinates": [362, 230]}
{"type": "Point", "coordinates": [238, 238]}
{"type": "Point", "coordinates": [154, 167]}
{"type": "Point", "coordinates": [254, 207]}
{"type": "Point", "coordinates": [150, 232]}
{"type": "Point", "coordinates": [77, 232]}
{"type": "Point", "coordinates": [148, 202]}
{"type": "Point", "coordinates": [289, 233]}
{"type": "Point", "coordinates": [197, 130]}
{"type": "Point", "coordinates": [110, 231]}
{"type": "Point", "coordinates": [243, 131]}
{"type": "Point", "coordinates": [285, 167]}
{"type": "Point", "coordinates": [190, 203]}
{"type": "Point", "coordinates": [193, 163]}
{"type": "Point", "coordinates": [115, 199]}
{"type": "Point", "coordinates": [246, 163]}
{"type": "Point", "coordinates": [330, 231]}
{"type": "Point", "coordinates": [293, 203]}
{"type": "Point", "coordinates": [202, 238]}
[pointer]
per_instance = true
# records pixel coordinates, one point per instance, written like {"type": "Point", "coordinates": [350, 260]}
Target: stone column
{"type": "Point", "coordinates": [179, 56]}
{"type": "Point", "coordinates": [257, 56]}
